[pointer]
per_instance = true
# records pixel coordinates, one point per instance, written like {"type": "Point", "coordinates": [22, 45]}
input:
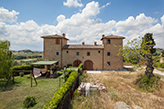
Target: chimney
{"type": "Point", "coordinates": [82, 43]}
{"type": "Point", "coordinates": [95, 43]}
{"type": "Point", "coordinates": [103, 36]}
{"type": "Point", "coordinates": [63, 34]}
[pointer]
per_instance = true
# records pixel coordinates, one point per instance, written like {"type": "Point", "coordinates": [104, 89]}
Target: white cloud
{"type": "Point", "coordinates": [79, 21]}
{"type": "Point", "coordinates": [74, 3]}
{"type": "Point", "coordinates": [60, 18]}
{"type": "Point", "coordinates": [158, 32]}
{"type": "Point", "coordinates": [138, 23]}
{"type": "Point", "coordinates": [156, 12]}
{"type": "Point", "coordinates": [82, 26]}
{"type": "Point", "coordinates": [7, 16]}
{"type": "Point", "coordinates": [107, 4]}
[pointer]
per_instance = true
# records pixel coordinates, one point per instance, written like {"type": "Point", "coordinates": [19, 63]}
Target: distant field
{"type": "Point", "coordinates": [23, 55]}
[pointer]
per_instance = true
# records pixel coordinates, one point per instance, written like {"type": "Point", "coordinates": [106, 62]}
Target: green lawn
{"type": "Point", "coordinates": [12, 97]}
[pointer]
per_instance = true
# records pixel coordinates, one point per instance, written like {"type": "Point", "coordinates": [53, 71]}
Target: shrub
{"type": "Point", "coordinates": [76, 93]}
{"type": "Point", "coordinates": [83, 77]}
{"type": "Point", "coordinates": [29, 101]}
{"type": "Point", "coordinates": [61, 92]}
{"type": "Point", "coordinates": [25, 67]}
{"type": "Point", "coordinates": [80, 67]}
{"type": "Point", "coordinates": [157, 64]}
{"type": "Point", "coordinates": [48, 74]}
{"type": "Point", "coordinates": [162, 65]}
{"type": "Point", "coordinates": [55, 68]}
{"type": "Point", "coordinates": [148, 83]}
{"type": "Point", "coordinates": [60, 72]}
{"type": "Point", "coordinates": [21, 74]}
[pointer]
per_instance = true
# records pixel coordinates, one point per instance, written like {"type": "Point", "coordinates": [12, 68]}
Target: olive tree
{"type": "Point", "coordinates": [147, 50]}
{"type": "Point", "coordinates": [142, 49]}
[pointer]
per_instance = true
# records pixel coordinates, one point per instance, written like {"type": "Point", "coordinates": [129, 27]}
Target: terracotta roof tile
{"type": "Point", "coordinates": [53, 36]}
{"type": "Point", "coordinates": [113, 37]}
{"type": "Point", "coordinates": [83, 47]}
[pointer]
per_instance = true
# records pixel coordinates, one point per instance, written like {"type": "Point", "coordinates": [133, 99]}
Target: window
{"type": "Point", "coordinates": [108, 41]}
{"type": "Point", "coordinates": [98, 51]}
{"type": "Point", "coordinates": [108, 63]}
{"type": "Point", "coordinates": [57, 53]}
{"type": "Point", "coordinates": [57, 41]}
{"type": "Point", "coordinates": [67, 52]}
{"type": "Point", "coordinates": [108, 53]}
{"type": "Point", "coordinates": [88, 53]}
{"type": "Point", "coordinates": [57, 63]}
{"type": "Point", "coordinates": [77, 53]}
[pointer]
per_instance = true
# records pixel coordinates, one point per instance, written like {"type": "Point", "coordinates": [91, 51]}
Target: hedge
{"type": "Point", "coordinates": [25, 67]}
{"type": "Point", "coordinates": [61, 92]}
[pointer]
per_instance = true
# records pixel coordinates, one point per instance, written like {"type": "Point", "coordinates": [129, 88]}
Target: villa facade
{"type": "Point", "coordinates": [94, 57]}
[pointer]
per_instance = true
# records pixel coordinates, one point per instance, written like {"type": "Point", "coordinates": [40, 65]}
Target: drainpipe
{"type": "Point", "coordinates": [44, 49]}
{"type": "Point", "coordinates": [61, 52]}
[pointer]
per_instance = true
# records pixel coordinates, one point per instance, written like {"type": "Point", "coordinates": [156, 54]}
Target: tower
{"type": "Point", "coordinates": [53, 47]}
{"type": "Point", "coordinates": [112, 44]}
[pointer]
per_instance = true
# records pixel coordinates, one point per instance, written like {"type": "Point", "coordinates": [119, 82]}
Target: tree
{"type": "Point", "coordinates": [6, 59]}
{"type": "Point", "coordinates": [162, 53]}
{"type": "Point", "coordinates": [131, 51]}
{"type": "Point", "coordinates": [143, 49]}
{"type": "Point", "coordinates": [147, 50]}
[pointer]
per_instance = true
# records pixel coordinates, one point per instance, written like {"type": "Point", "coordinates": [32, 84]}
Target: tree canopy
{"type": "Point", "coordinates": [6, 59]}
{"type": "Point", "coordinates": [148, 49]}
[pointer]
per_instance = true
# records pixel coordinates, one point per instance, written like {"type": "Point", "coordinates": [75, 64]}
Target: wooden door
{"type": "Point", "coordinates": [76, 63]}
{"type": "Point", "coordinates": [88, 65]}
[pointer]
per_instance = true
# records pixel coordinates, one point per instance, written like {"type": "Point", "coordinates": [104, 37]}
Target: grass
{"type": "Point", "coordinates": [12, 97]}
{"type": "Point", "coordinates": [120, 87]}
{"type": "Point", "coordinates": [148, 83]}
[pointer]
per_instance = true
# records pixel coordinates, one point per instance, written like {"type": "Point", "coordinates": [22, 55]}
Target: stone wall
{"type": "Point", "coordinates": [116, 61]}
{"type": "Point", "coordinates": [99, 59]}
{"type": "Point", "coordinates": [95, 57]}
{"type": "Point", "coordinates": [50, 49]}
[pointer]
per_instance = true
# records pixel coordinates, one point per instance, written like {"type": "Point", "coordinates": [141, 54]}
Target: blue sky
{"type": "Point", "coordinates": [22, 22]}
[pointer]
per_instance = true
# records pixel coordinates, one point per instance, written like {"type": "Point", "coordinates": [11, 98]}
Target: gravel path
{"type": "Point", "coordinates": [158, 72]}
{"type": "Point", "coordinates": [144, 67]}
{"type": "Point", "coordinates": [93, 71]}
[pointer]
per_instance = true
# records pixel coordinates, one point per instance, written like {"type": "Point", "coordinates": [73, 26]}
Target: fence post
{"type": "Point", "coordinates": [13, 77]}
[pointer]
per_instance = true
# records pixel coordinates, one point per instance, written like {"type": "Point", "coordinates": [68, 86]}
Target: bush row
{"type": "Point", "coordinates": [61, 92]}
{"type": "Point", "coordinates": [25, 67]}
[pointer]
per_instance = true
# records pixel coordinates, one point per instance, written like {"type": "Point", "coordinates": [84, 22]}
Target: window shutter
{"type": "Point", "coordinates": [57, 41]}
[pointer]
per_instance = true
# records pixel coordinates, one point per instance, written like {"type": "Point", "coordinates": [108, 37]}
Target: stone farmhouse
{"type": "Point", "coordinates": [94, 57]}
